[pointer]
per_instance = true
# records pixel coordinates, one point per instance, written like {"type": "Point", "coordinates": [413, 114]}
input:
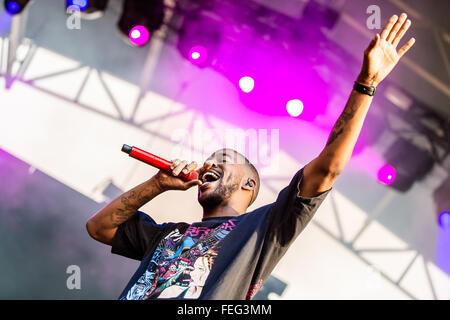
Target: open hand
{"type": "Point", "coordinates": [381, 55]}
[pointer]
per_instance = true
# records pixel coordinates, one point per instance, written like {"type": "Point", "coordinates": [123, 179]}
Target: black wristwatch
{"type": "Point", "coordinates": [369, 90]}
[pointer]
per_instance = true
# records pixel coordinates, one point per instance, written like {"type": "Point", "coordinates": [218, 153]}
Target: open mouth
{"type": "Point", "coordinates": [209, 177]}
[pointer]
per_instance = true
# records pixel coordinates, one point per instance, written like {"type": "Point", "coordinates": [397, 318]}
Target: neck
{"type": "Point", "coordinates": [222, 211]}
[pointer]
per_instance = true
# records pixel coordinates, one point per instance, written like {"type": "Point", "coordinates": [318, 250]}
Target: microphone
{"type": "Point", "coordinates": [157, 162]}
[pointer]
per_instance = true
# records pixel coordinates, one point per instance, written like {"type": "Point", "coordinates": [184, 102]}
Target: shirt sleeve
{"type": "Point", "coordinates": [137, 236]}
{"type": "Point", "coordinates": [290, 213]}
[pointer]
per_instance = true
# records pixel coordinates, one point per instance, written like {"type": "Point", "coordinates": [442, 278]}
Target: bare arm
{"type": "Point", "coordinates": [380, 58]}
{"type": "Point", "coordinates": [103, 225]}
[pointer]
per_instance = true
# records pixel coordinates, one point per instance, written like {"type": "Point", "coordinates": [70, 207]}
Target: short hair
{"type": "Point", "coordinates": [250, 170]}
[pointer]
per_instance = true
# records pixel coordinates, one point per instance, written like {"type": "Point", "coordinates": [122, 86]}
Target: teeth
{"type": "Point", "coordinates": [210, 173]}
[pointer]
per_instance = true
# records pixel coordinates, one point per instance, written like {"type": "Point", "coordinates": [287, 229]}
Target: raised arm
{"type": "Point", "coordinates": [380, 58]}
{"type": "Point", "coordinates": [103, 225]}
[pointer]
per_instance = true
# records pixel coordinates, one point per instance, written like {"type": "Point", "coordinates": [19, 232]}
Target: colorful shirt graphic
{"type": "Point", "coordinates": [180, 264]}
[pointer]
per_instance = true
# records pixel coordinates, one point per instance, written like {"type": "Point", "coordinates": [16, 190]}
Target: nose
{"type": "Point", "coordinates": [212, 161]}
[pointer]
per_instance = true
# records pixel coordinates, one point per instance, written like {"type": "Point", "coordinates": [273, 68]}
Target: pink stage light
{"type": "Point", "coordinates": [139, 35]}
{"type": "Point", "coordinates": [386, 174]}
{"type": "Point", "coordinates": [246, 84]}
{"type": "Point", "coordinates": [294, 107]}
{"type": "Point", "coordinates": [198, 55]}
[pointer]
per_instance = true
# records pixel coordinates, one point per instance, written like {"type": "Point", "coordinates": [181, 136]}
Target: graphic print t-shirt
{"type": "Point", "coordinates": [217, 258]}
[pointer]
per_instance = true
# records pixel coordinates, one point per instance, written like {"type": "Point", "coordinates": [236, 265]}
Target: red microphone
{"type": "Point", "coordinates": [156, 162]}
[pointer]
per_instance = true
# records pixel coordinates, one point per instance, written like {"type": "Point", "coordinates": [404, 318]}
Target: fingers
{"type": "Point", "coordinates": [206, 166]}
{"type": "Point", "coordinates": [177, 166]}
{"type": "Point", "coordinates": [190, 167]}
{"type": "Point", "coordinates": [394, 31]}
{"type": "Point", "coordinates": [175, 163]}
{"type": "Point", "coordinates": [406, 47]}
{"type": "Point", "coordinates": [401, 33]}
{"type": "Point", "coordinates": [388, 27]}
{"type": "Point", "coordinates": [396, 27]}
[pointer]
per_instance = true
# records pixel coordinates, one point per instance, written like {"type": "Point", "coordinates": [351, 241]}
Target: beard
{"type": "Point", "coordinates": [219, 196]}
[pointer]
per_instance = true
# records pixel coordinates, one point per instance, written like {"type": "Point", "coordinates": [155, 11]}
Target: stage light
{"type": "Point", "coordinates": [80, 4]}
{"type": "Point", "coordinates": [139, 35]}
{"type": "Point", "coordinates": [12, 7]}
{"type": "Point", "coordinates": [235, 50]}
{"type": "Point", "coordinates": [444, 219]}
{"type": "Point", "coordinates": [200, 38]}
{"type": "Point", "coordinates": [89, 9]}
{"type": "Point", "coordinates": [387, 174]}
{"type": "Point", "coordinates": [246, 84]}
{"type": "Point", "coordinates": [15, 6]}
{"type": "Point", "coordinates": [411, 163]}
{"type": "Point", "coordinates": [198, 55]}
{"type": "Point", "coordinates": [294, 107]}
{"type": "Point", "coordinates": [139, 19]}
{"type": "Point", "coordinates": [442, 203]}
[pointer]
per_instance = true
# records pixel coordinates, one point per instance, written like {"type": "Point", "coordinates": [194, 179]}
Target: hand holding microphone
{"type": "Point", "coordinates": [173, 175]}
{"type": "Point", "coordinates": [171, 180]}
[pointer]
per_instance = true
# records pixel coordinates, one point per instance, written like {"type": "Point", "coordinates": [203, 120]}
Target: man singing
{"type": "Point", "coordinates": [231, 252]}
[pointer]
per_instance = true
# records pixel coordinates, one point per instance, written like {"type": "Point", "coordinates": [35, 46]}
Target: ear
{"type": "Point", "coordinates": [248, 184]}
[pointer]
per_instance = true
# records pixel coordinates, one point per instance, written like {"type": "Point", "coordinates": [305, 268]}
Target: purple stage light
{"type": "Point", "coordinates": [444, 219]}
{"type": "Point", "coordinates": [139, 35]}
{"type": "Point", "coordinates": [80, 4]}
{"type": "Point", "coordinates": [246, 84]}
{"type": "Point", "coordinates": [198, 55]}
{"type": "Point", "coordinates": [294, 107]}
{"type": "Point", "coordinates": [386, 174]}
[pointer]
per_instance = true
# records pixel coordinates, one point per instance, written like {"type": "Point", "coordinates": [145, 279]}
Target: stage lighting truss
{"type": "Point", "coordinates": [16, 48]}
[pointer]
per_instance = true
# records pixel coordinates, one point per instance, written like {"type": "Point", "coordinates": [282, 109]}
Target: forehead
{"type": "Point", "coordinates": [228, 156]}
